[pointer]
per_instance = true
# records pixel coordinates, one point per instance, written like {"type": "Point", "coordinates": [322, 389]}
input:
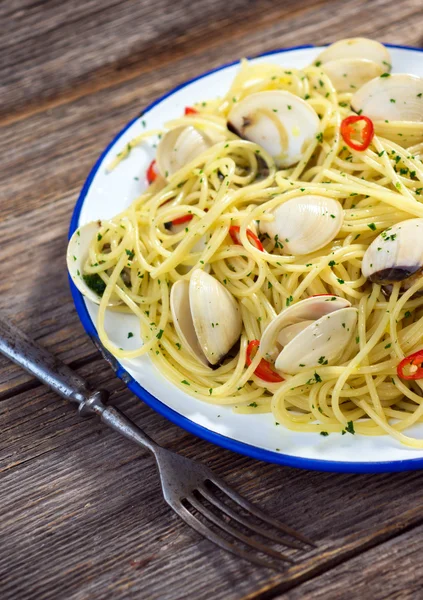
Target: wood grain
{"type": "Point", "coordinates": [82, 516]}
{"type": "Point", "coordinates": [71, 520]}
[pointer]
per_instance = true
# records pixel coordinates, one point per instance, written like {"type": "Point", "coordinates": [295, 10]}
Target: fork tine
{"type": "Point", "coordinates": [244, 521]}
{"type": "Point", "coordinates": [219, 541]}
{"type": "Point", "coordinates": [257, 512]}
{"type": "Point", "coordinates": [235, 532]}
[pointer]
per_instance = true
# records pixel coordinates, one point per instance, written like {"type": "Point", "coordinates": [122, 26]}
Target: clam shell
{"type": "Point", "coordinates": [178, 147]}
{"type": "Point", "coordinates": [323, 340]}
{"type": "Point", "coordinates": [282, 123]}
{"type": "Point", "coordinates": [395, 105]}
{"type": "Point", "coordinates": [396, 254]}
{"type": "Point", "coordinates": [206, 317]}
{"type": "Point", "coordinates": [349, 74]}
{"type": "Point", "coordinates": [305, 311]}
{"type": "Point", "coordinates": [305, 223]}
{"type": "Point", "coordinates": [76, 256]}
{"type": "Point", "coordinates": [215, 314]}
{"type": "Point", "coordinates": [357, 48]}
{"type": "Point", "coordinates": [182, 319]}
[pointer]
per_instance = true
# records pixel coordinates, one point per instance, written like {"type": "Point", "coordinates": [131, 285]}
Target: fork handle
{"type": "Point", "coordinates": [26, 353]}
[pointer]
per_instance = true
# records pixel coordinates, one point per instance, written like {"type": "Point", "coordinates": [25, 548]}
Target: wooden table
{"type": "Point", "coordinates": [81, 512]}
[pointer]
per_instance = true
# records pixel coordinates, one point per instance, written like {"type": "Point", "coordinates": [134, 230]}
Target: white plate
{"type": "Point", "coordinates": [104, 195]}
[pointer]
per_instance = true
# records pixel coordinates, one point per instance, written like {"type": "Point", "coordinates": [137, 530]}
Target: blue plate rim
{"type": "Point", "coordinates": [169, 413]}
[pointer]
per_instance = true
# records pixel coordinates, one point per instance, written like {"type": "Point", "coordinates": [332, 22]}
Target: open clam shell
{"type": "Point", "coordinates": [320, 343]}
{"type": "Point", "coordinates": [310, 333]}
{"type": "Point", "coordinates": [395, 105]}
{"type": "Point", "coordinates": [294, 319]}
{"type": "Point", "coordinates": [206, 317]}
{"type": "Point", "coordinates": [178, 147]}
{"type": "Point", "coordinates": [90, 286]}
{"type": "Point", "coordinates": [396, 254]}
{"type": "Point", "coordinates": [304, 223]}
{"type": "Point", "coordinates": [282, 123]}
{"type": "Point", "coordinates": [351, 48]}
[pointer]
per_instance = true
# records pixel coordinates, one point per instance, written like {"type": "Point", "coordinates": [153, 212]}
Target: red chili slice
{"type": "Point", "coordinates": [151, 172]}
{"type": "Point", "coordinates": [366, 133]}
{"type": "Point", "coordinates": [414, 362]}
{"type": "Point", "coordinates": [263, 370]}
{"type": "Point", "coordinates": [181, 220]}
{"type": "Point", "coordinates": [190, 111]}
{"type": "Point", "coordinates": [234, 233]}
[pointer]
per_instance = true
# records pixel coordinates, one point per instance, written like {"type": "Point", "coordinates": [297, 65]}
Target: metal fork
{"type": "Point", "coordinates": [196, 494]}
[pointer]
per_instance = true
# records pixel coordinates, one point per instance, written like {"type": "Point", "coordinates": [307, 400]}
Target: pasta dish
{"type": "Point", "coordinates": [274, 262]}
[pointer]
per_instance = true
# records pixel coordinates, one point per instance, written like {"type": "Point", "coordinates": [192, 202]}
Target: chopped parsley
{"type": "Point", "coordinates": [350, 427]}
{"type": "Point", "coordinates": [95, 283]}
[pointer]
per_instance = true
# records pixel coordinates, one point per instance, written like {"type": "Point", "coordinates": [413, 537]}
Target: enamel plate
{"type": "Point", "coordinates": [104, 195]}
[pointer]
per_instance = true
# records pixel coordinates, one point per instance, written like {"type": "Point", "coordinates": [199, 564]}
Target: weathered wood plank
{"type": "Point", "coordinates": [84, 503]}
{"type": "Point", "coordinates": [392, 570]}
{"type": "Point", "coordinates": [110, 38]}
{"type": "Point", "coordinates": [47, 68]}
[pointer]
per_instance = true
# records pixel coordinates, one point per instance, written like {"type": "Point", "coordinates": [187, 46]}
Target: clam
{"type": "Point", "coordinates": [396, 254]}
{"type": "Point", "coordinates": [395, 105]}
{"type": "Point", "coordinates": [313, 332]}
{"type": "Point", "coordinates": [282, 123]}
{"type": "Point", "coordinates": [349, 74]}
{"type": "Point", "coordinates": [356, 48]}
{"type": "Point", "coordinates": [90, 286]}
{"type": "Point", "coordinates": [178, 147]}
{"type": "Point", "coordinates": [304, 224]}
{"type": "Point", "coordinates": [206, 316]}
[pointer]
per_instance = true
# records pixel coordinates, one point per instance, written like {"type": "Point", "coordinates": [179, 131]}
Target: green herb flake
{"type": "Point", "coordinates": [159, 335]}
{"type": "Point", "coordinates": [350, 427]}
{"type": "Point", "coordinates": [253, 405]}
{"type": "Point", "coordinates": [95, 283]}
{"type": "Point", "coordinates": [371, 226]}
{"type": "Point", "coordinates": [130, 334]}
{"type": "Point", "coordinates": [185, 382]}
{"type": "Point", "coordinates": [324, 433]}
